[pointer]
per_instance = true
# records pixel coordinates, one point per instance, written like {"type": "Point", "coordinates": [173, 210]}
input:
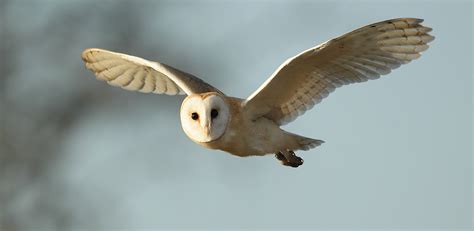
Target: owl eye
{"type": "Point", "coordinates": [214, 113]}
{"type": "Point", "coordinates": [194, 116]}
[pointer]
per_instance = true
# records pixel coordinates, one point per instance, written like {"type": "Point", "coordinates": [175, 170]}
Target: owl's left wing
{"type": "Point", "coordinates": [137, 74]}
{"type": "Point", "coordinates": [363, 54]}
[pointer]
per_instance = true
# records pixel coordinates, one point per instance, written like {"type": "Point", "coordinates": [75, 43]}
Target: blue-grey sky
{"type": "Point", "coordinates": [398, 151]}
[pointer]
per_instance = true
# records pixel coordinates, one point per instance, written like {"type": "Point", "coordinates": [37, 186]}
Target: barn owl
{"type": "Point", "coordinates": [251, 126]}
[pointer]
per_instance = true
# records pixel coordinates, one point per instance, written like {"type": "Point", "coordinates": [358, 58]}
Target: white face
{"type": "Point", "coordinates": [204, 120]}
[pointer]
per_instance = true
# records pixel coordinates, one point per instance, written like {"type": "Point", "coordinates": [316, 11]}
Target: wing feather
{"type": "Point", "coordinates": [361, 55]}
{"type": "Point", "coordinates": [149, 85]}
{"type": "Point", "coordinates": [137, 74]}
{"type": "Point", "coordinates": [124, 79]}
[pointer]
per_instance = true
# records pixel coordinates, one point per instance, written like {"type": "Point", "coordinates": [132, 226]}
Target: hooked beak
{"type": "Point", "coordinates": [207, 127]}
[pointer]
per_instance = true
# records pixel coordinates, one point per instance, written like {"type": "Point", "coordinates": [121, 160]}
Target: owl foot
{"type": "Point", "coordinates": [288, 158]}
{"type": "Point", "coordinates": [280, 156]}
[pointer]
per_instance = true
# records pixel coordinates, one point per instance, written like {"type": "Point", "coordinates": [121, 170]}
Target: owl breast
{"type": "Point", "coordinates": [244, 137]}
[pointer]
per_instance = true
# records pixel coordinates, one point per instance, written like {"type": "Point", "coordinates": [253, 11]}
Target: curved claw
{"type": "Point", "coordinates": [280, 156]}
{"type": "Point", "coordinates": [289, 158]}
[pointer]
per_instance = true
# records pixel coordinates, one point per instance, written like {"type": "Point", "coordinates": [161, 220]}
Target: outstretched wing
{"type": "Point", "coordinates": [363, 54]}
{"type": "Point", "coordinates": [137, 74]}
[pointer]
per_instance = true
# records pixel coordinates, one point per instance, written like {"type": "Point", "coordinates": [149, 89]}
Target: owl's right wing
{"type": "Point", "coordinates": [137, 74]}
{"type": "Point", "coordinates": [358, 56]}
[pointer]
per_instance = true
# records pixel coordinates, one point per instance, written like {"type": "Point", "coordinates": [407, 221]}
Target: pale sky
{"type": "Point", "coordinates": [397, 151]}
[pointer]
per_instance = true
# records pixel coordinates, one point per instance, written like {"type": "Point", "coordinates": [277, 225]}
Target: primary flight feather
{"type": "Point", "coordinates": [246, 127]}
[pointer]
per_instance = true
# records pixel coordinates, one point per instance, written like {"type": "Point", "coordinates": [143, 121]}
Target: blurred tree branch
{"type": "Point", "coordinates": [29, 138]}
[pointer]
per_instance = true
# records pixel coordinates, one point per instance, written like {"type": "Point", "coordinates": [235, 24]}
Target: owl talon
{"type": "Point", "coordinates": [292, 164]}
{"type": "Point", "coordinates": [280, 156]}
{"type": "Point", "coordinates": [295, 162]}
{"type": "Point", "coordinates": [290, 159]}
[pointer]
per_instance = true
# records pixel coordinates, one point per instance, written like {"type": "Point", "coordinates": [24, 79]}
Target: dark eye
{"type": "Point", "coordinates": [214, 113]}
{"type": "Point", "coordinates": [194, 116]}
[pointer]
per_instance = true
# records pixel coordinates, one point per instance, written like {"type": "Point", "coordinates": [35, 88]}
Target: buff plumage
{"type": "Point", "coordinates": [246, 127]}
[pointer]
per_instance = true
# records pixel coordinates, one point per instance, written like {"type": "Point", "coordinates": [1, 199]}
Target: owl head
{"type": "Point", "coordinates": [204, 117]}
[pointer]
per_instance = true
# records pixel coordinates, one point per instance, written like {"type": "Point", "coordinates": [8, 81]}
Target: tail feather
{"type": "Point", "coordinates": [307, 143]}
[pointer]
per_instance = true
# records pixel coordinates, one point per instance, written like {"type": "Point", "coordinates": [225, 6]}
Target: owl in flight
{"type": "Point", "coordinates": [247, 127]}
